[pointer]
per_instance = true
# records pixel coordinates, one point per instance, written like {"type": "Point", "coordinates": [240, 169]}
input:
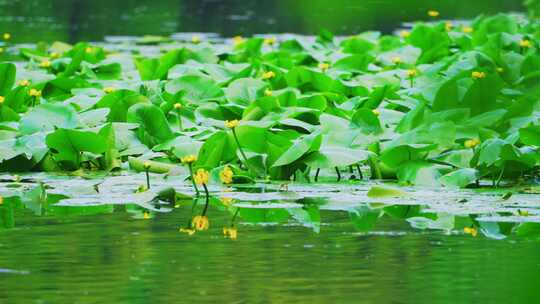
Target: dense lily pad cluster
{"type": "Point", "coordinates": [441, 103]}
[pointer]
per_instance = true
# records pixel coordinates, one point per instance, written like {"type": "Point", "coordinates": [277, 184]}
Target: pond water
{"type": "Point", "coordinates": [74, 20]}
{"type": "Point", "coordinates": [336, 243]}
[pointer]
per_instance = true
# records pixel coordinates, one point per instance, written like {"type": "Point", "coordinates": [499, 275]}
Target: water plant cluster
{"type": "Point", "coordinates": [441, 104]}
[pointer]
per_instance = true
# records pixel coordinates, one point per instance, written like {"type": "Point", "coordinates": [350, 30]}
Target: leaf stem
{"type": "Point", "coordinates": [241, 151]}
{"type": "Point", "coordinates": [338, 174]}
{"type": "Point", "coordinates": [179, 120]}
{"type": "Point", "coordinates": [207, 199]}
{"type": "Point", "coordinates": [147, 170]}
{"type": "Point", "coordinates": [197, 192]}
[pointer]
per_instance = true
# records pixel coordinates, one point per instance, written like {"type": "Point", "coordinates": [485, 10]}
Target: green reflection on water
{"type": "Point", "coordinates": [114, 258]}
{"type": "Point", "coordinates": [70, 20]}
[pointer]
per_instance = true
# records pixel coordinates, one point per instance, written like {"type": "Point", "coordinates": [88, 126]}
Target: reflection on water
{"type": "Point", "coordinates": [117, 259]}
{"type": "Point", "coordinates": [75, 20]}
{"type": "Point", "coordinates": [311, 245]}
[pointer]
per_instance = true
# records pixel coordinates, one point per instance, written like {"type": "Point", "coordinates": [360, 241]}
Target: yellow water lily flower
{"type": "Point", "coordinates": [34, 93]}
{"type": "Point", "coordinates": [405, 34]}
{"type": "Point", "coordinates": [201, 177]}
{"type": "Point", "coordinates": [45, 64]}
{"type": "Point", "coordinates": [196, 39]}
{"type": "Point", "coordinates": [89, 49]}
{"type": "Point", "coordinates": [226, 175]}
{"type": "Point", "coordinates": [177, 106]}
{"type": "Point", "coordinates": [2, 98]}
{"type": "Point", "coordinates": [471, 143]}
{"type": "Point", "coordinates": [270, 40]}
{"type": "Point", "coordinates": [237, 40]}
{"type": "Point", "coordinates": [525, 43]}
{"type": "Point", "coordinates": [268, 93]}
{"type": "Point", "coordinates": [448, 25]}
{"type": "Point", "coordinates": [200, 222]}
{"type": "Point", "coordinates": [478, 75]}
{"type": "Point", "coordinates": [187, 231]}
{"type": "Point", "coordinates": [6, 36]}
{"type": "Point", "coordinates": [147, 165]}
{"type": "Point", "coordinates": [433, 13]}
{"type": "Point", "coordinates": [523, 212]}
{"type": "Point", "coordinates": [227, 201]}
{"type": "Point", "coordinates": [108, 90]}
{"type": "Point", "coordinates": [324, 66]}
{"type": "Point", "coordinates": [231, 124]}
{"type": "Point", "coordinates": [24, 83]}
{"type": "Point", "coordinates": [1, 200]}
{"type": "Point", "coordinates": [467, 29]}
{"type": "Point", "coordinates": [146, 215]}
{"type": "Point", "coordinates": [412, 73]}
{"type": "Point", "coordinates": [231, 233]}
{"type": "Point", "coordinates": [189, 159]}
{"type": "Point", "coordinates": [54, 55]}
{"type": "Point", "coordinates": [397, 60]}
{"type": "Point", "coordinates": [471, 230]}
{"type": "Point", "coordinates": [268, 75]}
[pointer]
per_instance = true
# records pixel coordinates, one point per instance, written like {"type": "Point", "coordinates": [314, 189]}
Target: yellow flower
{"type": "Point", "coordinates": [89, 49]}
{"type": "Point", "coordinates": [231, 233]}
{"type": "Point", "coordinates": [1, 200]}
{"type": "Point", "coordinates": [6, 36]}
{"type": "Point", "coordinates": [467, 29]}
{"type": "Point", "coordinates": [24, 83]}
{"type": "Point", "coordinates": [270, 40]}
{"type": "Point", "coordinates": [108, 90]}
{"type": "Point", "coordinates": [196, 39]}
{"type": "Point", "coordinates": [2, 98]}
{"type": "Point", "coordinates": [177, 106]}
{"type": "Point", "coordinates": [520, 212]}
{"type": "Point", "coordinates": [200, 222]}
{"type": "Point", "coordinates": [433, 13]}
{"type": "Point", "coordinates": [45, 64]}
{"type": "Point", "coordinates": [189, 159]}
{"type": "Point", "coordinates": [231, 124]}
{"type": "Point", "coordinates": [141, 188]}
{"type": "Point", "coordinates": [268, 93]}
{"type": "Point", "coordinates": [201, 177]}
{"type": "Point", "coordinates": [478, 75]}
{"type": "Point", "coordinates": [396, 60]}
{"type": "Point", "coordinates": [227, 201]}
{"type": "Point", "coordinates": [471, 143]}
{"type": "Point", "coordinates": [448, 26]}
{"type": "Point", "coordinates": [146, 215]}
{"type": "Point", "coordinates": [237, 40]}
{"type": "Point", "coordinates": [147, 165]}
{"type": "Point", "coordinates": [324, 66]}
{"type": "Point", "coordinates": [376, 112]}
{"type": "Point", "coordinates": [188, 231]}
{"type": "Point", "coordinates": [404, 34]}
{"type": "Point", "coordinates": [34, 93]}
{"type": "Point", "coordinates": [54, 55]}
{"type": "Point", "coordinates": [525, 43]}
{"type": "Point", "coordinates": [412, 73]}
{"type": "Point", "coordinates": [268, 75]}
{"type": "Point", "coordinates": [226, 175]}
{"type": "Point", "coordinates": [471, 230]}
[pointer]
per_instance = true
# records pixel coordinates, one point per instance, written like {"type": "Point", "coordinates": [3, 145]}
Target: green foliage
{"type": "Point", "coordinates": [441, 107]}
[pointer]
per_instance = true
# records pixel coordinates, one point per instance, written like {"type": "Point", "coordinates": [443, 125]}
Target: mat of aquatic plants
{"type": "Point", "coordinates": [436, 124]}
